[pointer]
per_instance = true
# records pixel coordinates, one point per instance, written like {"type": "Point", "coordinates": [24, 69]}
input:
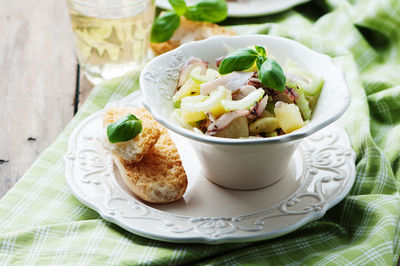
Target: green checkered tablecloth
{"type": "Point", "coordinates": [42, 223]}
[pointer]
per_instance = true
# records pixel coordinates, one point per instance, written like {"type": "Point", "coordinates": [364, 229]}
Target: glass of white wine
{"type": "Point", "coordinates": [112, 36]}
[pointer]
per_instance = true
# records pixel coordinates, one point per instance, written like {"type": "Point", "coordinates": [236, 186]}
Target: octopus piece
{"type": "Point", "coordinates": [224, 120]}
{"type": "Point", "coordinates": [260, 106]}
{"type": "Point", "coordinates": [289, 95]}
{"type": "Point", "coordinates": [205, 123]}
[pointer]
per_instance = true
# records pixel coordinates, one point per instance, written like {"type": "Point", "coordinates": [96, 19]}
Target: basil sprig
{"type": "Point", "coordinates": [207, 10]}
{"type": "Point", "coordinates": [124, 129]}
{"type": "Point", "coordinates": [165, 26]}
{"type": "Point", "coordinates": [270, 73]}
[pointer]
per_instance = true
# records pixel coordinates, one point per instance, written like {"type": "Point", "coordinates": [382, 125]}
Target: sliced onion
{"type": "Point", "coordinates": [243, 92]}
{"type": "Point", "coordinates": [261, 105]}
{"type": "Point", "coordinates": [233, 82]}
{"type": "Point", "coordinates": [188, 67]}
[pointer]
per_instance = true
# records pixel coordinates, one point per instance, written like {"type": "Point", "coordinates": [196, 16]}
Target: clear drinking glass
{"type": "Point", "coordinates": [112, 36]}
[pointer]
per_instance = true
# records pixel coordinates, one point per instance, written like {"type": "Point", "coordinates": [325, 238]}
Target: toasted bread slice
{"type": "Point", "coordinates": [159, 177]}
{"type": "Point", "coordinates": [132, 151]}
{"type": "Point", "coordinates": [190, 31]}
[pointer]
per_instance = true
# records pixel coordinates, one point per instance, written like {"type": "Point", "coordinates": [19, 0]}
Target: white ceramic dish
{"type": "Point", "coordinates": [248, 8]}
{"type": "Point", "coordinates": [243, 163]}
{"type": "Point", "coordinates": [322, 172]}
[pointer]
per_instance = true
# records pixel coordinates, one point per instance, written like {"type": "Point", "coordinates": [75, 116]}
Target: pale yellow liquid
{"type": "Point", "coordinates": [111, 42]}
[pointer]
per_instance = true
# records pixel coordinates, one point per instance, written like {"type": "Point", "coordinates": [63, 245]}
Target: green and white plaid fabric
{"type": "Point", "coordinates": [42, 223]}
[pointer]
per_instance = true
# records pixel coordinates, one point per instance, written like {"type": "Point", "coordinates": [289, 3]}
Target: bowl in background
{"type": "Point", "coordinates": [243, 163]}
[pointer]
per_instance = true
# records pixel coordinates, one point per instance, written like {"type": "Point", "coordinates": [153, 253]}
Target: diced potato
{"type": "Point", "coordinates": [189, 88]}
{"type": "Point", "coordinates": [264, 125]}
{"type": "Point", "coordinates": [236, 129]}
{"type": "Point", "coordinates": [190, 114]}
{"type": "Point", "coordinates": [289, 116]}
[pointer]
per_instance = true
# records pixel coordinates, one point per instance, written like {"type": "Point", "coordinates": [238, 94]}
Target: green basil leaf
{"type": "Point", "coordinates": [124, 129]}
{"type": "Point", "coordinates": [164, 27]}
{"type": "Point", "coordinates": [208, 10]}
{"type": "Point", "coordinates": [271, 75]}
{"type": "Point", "coordinates": [260, 61]}
{"type": "Point", "coordinates": [238, 60]}
{"type": "Point", "coordinates": [179, 6]}
{"type": "Point", "coordinates": [261, 50]}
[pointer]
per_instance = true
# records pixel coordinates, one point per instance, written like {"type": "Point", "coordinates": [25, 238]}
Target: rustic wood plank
{"type": "Point", "coordinates": [85, 87]}
{"type": "Point", "coordinates": [37, 82]}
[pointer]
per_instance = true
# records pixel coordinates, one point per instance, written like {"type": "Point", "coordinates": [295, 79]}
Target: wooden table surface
{"type": "Point", "coordinates": [40, 85]}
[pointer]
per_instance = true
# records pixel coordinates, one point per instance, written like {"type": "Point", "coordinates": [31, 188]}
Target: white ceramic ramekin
{"type": "Point", "coordinates": [243, 163]}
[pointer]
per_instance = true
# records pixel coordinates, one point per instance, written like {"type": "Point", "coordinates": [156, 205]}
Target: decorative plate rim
{"type": "Point", "coordinates": [314, 214]}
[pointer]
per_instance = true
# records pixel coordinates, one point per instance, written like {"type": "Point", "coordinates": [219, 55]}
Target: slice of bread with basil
{"type": "Point", "coordinates": [149, 163]}
{"type": "Point", "coordinates": [132, 150]}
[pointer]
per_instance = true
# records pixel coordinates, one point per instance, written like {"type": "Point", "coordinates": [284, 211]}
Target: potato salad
{"type": "Point", "coordinates": [249, 95]}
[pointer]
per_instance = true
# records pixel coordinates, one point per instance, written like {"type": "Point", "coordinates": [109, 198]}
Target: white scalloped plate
{"type": "Point", "coordinates": [248, 8]}
{"type": "Point", "coordinates": [322, 173]}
